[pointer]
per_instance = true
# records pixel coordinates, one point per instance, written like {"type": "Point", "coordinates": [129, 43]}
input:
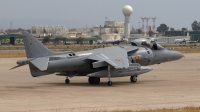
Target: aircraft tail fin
{"type": "Point", "coordinates": [33, 47]}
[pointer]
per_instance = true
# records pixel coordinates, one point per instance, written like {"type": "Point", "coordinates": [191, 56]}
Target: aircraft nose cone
{"type": "Point", "coordinates": [175, 55]}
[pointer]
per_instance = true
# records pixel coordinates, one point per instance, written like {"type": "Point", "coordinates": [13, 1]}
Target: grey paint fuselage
{"type": "Point", "coordinates": [102, 62]}
{"type": "Point", "coordinates": [80, 64]}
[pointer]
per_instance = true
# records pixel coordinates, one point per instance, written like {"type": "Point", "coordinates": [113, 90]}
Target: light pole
{"type": "Point", "coordinates": [100, 31]}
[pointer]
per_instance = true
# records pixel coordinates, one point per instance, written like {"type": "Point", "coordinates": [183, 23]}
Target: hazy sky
{"type": "Point", "coordinates": [79, 13]}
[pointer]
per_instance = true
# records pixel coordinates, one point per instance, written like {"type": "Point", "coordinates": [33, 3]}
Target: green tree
{"type": "Point", "coordinates": [90, 42]}
{"type": "Point", "coordinates": [139, 31]}
{"type": "Point", "coordinates": [28, 30]}
{"type": "Point", "coordinates": [34, 31]}
{"type": "Point", "coordinates": [46, 39]}
{"type": "Point", "coordinates": [80, 40]}
{"type": "Point", "coordinates": [172, 29]}
{"type": "Point", "coordinates": [95, 36]}
{"type": "Point", "coordinates": [184, 29]}
{"type": "Point", "coordinates": [162, 28]}
{"type": "Point", "coordinates": [57, 40]}
{"type": "Point", "coordinates": [195, 25]}
{"type": "Point", "coordinates": [44, 31]}
{"type": "Point", "coordinates": [64, 40]}
{"type": "Point", "coordinates": [150, 33]}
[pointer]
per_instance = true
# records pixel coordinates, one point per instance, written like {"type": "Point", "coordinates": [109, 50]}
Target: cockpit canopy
{"type": "Point", "coordinates": [147, 43]}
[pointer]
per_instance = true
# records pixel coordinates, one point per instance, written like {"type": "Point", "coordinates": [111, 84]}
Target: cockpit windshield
{"type": "Point", "coordinates": [147, 43]}
{"type": "Point", "coordinates": [150, 44]}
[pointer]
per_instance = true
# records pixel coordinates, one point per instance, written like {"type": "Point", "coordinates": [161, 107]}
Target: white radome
{"type": "Point", "coordinates": [127, 10]}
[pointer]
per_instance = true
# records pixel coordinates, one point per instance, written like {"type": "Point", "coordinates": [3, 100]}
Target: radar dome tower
{"type": "Point", "coordinates": [127, 11]}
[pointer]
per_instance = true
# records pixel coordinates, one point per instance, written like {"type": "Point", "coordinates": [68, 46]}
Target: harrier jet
{"type": "Point", "coordinates": [98, 63]}
{"type": "Point", "coordinates": [112, 41]}
{"type": "Point", "coordinates": [184, 41]}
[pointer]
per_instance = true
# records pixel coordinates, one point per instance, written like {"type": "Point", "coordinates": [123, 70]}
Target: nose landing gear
{"type": "Point", "coordinates": [133, 79]}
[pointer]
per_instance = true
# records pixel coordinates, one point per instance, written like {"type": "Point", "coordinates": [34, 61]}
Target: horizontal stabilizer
{"type": "Point", "coordinates": [24, 61]}
{"type": "Point", "coordinates": [41, 63]}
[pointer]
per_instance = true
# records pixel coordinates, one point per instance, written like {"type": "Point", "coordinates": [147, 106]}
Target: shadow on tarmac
{"type": "Point", "coordinates": [84, 84]}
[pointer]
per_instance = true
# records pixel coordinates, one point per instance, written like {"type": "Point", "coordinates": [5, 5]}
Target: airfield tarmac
{"type": "Point", "coordinates": [170, 85]}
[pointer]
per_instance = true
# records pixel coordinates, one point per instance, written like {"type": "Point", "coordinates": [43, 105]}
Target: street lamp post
{"type": "Point", "coordinates": [100, 31]}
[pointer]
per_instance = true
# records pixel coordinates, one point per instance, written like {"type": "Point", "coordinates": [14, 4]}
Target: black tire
{"type": "Point", "coordinates": [96, 80]}
{"type": "Point", "coordinates": [90, 80]}
{"type": "Point", "coordinates": [109, 83]}
{"type": "Point", "coordinates": [67, 81]}
{"type": "Point", "coordinates": [133, 79]}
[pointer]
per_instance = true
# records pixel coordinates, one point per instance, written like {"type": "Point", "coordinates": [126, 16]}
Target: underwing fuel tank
{"type": "Point", "coordinates": [134, 69]}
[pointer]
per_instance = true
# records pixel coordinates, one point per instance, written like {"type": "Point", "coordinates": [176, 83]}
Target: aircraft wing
{"type": "Point", "coordinates": [130, 48]}
{"type": "Point", "coordinates": [114, 56]}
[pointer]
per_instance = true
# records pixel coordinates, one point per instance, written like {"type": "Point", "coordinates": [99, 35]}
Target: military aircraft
{"type": "Point", "coordinates": [99, 63]}
{"type": "Point", "coordinates": [180, 41]}
{"type": "Point", "coordinates": [112, 41]}
{"type": "Point", "coordinates": [184, 41]}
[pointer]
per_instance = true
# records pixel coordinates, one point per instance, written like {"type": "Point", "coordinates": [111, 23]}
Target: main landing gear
{"type": "Point", "coordinates": [109, 75]}
{"type": "Point", "coordinates": [94, 80]}
{"type": "Point", "coordinates": [133, 78]}
{"type": "Point", "coordinates": [67, 81]}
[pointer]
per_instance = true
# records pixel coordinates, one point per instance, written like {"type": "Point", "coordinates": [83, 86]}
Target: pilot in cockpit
{"type": "Point", "coordinates": [150, 44]}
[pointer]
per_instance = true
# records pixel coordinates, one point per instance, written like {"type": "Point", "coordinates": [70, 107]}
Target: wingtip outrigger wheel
{"type": "Point", "coordinates": [133, 78]}
{"type": "Point", "coordinates": [110, 83]}
{"type": "Point", "coordinates": [67, 81]}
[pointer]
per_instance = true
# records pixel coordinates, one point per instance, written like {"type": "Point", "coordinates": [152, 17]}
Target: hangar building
{"type": "Point", "coordinates": [11, 39]}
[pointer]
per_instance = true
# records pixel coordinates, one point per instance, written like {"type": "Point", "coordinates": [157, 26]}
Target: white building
{"type": "Point", "coordinates": [78, 32]}
{"type": "Point", "coordinates": [114, 24]}
{"type": "Point", "coordinates": [52, 30]}
{"type": "Point", "coordinates": [110, 37]}
{"type": "Point", "coordinates": [112, 30]}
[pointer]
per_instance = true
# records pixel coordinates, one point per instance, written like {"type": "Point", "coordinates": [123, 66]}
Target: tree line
{"type": "Point", "coordinates": [163, 27]}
